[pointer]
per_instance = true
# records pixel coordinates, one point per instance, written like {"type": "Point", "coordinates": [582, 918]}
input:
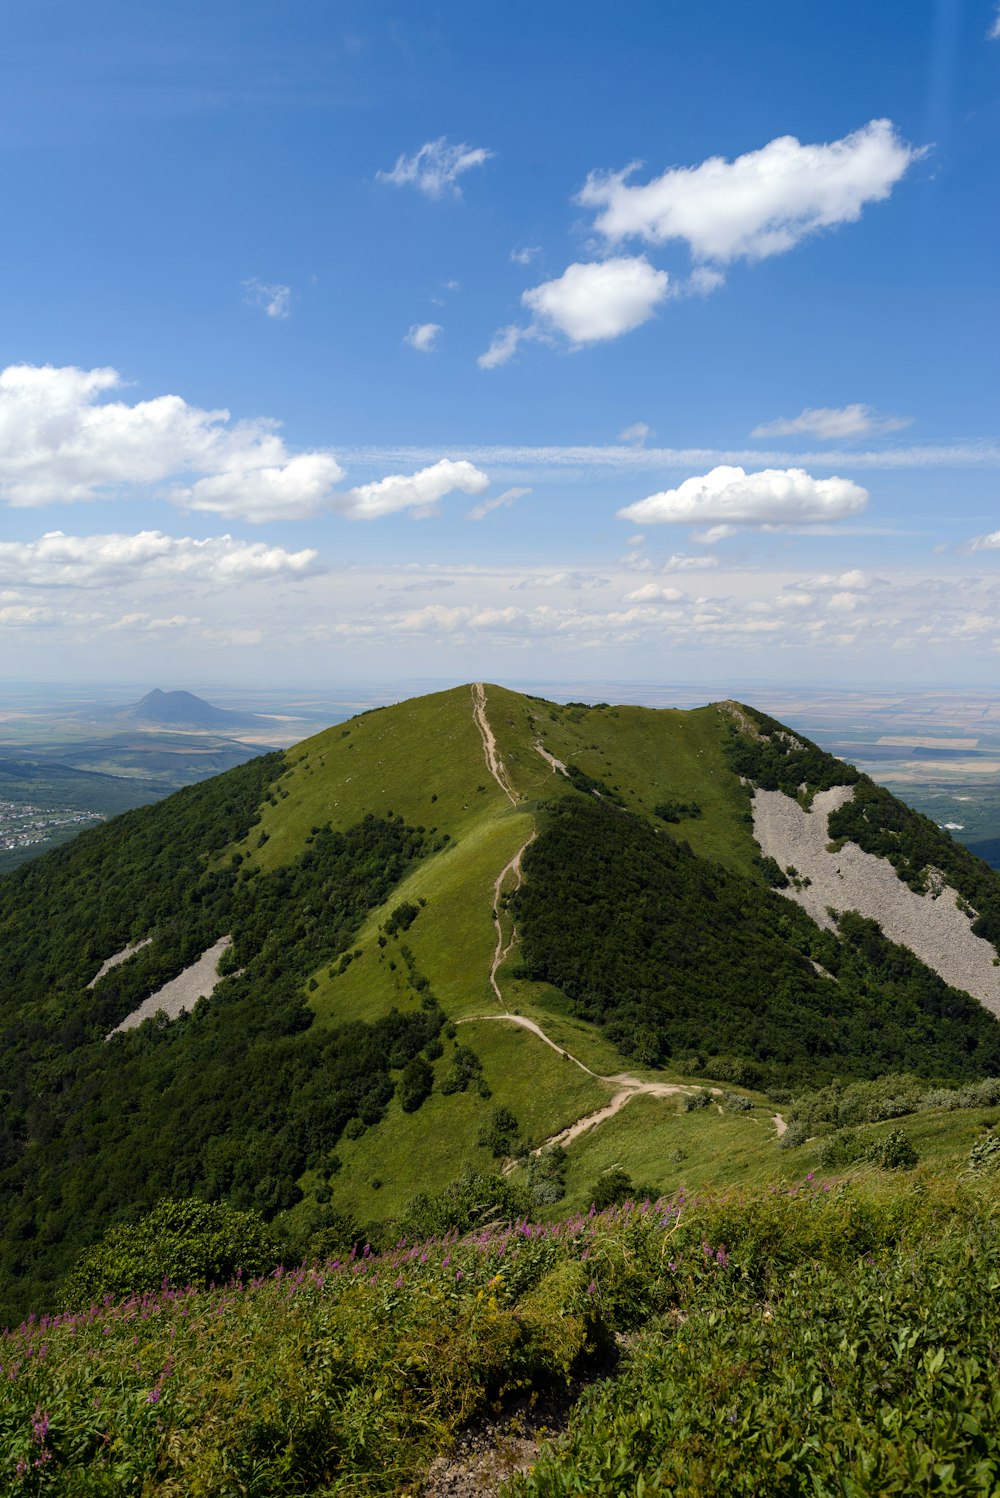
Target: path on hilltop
{"type": "Point", "coordinates": [502, 950]}
{"type": "Point", "coordinates": [624, 1085]}
{"type": "Point", "coordinates": [494, 763]}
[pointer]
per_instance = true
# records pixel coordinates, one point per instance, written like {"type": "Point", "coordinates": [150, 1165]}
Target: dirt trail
{"type": "Point", "coordinates": [502, 950]}
{"type": "Point", "coordinates": [626, 1086]}
{"type": "Point", "coordinates": [780, 1124]}
{"type": "Point", "coordinates": [494, 763]}
{"type": "Point", "coordinates": [557, 764]}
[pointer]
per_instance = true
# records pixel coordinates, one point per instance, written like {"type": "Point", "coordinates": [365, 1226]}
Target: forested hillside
{"type": "Point", "coordinates": [455, 924]}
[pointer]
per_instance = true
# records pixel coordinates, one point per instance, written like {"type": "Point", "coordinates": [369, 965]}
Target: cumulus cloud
{"type": "Point", "coordinates": [418, 492]}
{"type": "Point", "coordinates": [730, 496]}
{"type": "Point", "coordinates": [831, 422]}
{"type": "Point", "coordinates": [762, 203]}
{"type": "Point", "coordinates": [526, 255]}
{"type": "Point", "coordinates": [61, 439]}
{"type": "Point", "coordinates": [273, 300]}
{"type": "Point", "coordinates": [636, 434]}
{"type": "Point", "coordinates": [589, 303]}
{"type": "Point", "coordinates": [289, 491]}
{"type": "Point", "coordinates": [423, 336]}
{"type": "Point", "coordinates": [652, 593]}
{"type": "Point", "coordinates": [58, 560]}
{"type": "Point", "coordinates": [501, 502]}
{"type": "Point", "coordinates": [599, 300]}
{"type": "Point", "coordinates": [990, 542]}
{"type": "Point", "coordinates": [436, 167]}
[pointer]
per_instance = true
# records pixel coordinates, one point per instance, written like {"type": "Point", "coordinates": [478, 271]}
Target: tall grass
{"type": "Point", "coordinates": [346, 1377]}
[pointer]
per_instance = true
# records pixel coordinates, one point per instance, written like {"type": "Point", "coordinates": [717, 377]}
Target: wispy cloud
{"type": "Point", "coordinates": [274, 300]}
{"type": "Point", "coordinates": [435, 169]}
{"type": "Point", "coordinates": [501, 502]}
{"type": "Point", "coordinates": [832, 423]}
{"type": "Point", "coordinates": [423, 336]}
{"type": "Point", "coordinates": [622, 459]}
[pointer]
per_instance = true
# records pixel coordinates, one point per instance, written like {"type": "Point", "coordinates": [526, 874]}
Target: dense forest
{"type": "Point", "coordinates": [232, 1102]}
{"type": "Point", "coordinates": [677, 958]}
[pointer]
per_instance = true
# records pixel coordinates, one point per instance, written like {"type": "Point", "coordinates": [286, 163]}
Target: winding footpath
{"type": "Point", "coordinates": [624, 1086]}
{"type": "Point", "coordinates": [494, 763]}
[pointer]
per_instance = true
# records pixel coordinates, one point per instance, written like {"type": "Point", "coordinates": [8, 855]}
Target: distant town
{"type": "Point", "coordinates": [23, 825]}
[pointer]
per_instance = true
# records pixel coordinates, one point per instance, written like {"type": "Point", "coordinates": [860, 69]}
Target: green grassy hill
{"type": "Point", "coordinates": [441, 964]}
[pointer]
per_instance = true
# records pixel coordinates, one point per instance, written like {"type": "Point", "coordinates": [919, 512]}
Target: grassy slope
{"type": "Point", "coordinates": [397, 759]}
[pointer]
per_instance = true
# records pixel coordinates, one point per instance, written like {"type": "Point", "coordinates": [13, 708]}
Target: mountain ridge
{"type": "Point", "coordinates": [392, 886]}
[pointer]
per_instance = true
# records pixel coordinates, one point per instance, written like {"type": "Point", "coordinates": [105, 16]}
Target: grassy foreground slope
{"type": "Point", "coordinates": [822, 1340]}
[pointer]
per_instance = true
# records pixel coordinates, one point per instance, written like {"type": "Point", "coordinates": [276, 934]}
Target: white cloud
{"type": "Point", "coordinates": [62, 440]}
{"type": "Point", "coordinates": [993, 34]}
{"type": "Point", "coordinates": [504, 343]}
{"type": "Point", "coordinates": [273, 300]}
{"type": "Point", "coordinates": [599, 300]}
{"type": "Point", "coordinates": [832, 422]}
{"type": "Point", "coordinates": [589, 303]}
{"type": "Point", "coordinates": [652, 593]}
{"type": "Point", "coordinates": [845, 602]}
{"type": "Point", "coordinates": [291, 491]}
{"type": "Point", "coordinates": [985, 543]}
{"type": "Point", "coordinates": [618, 458]}
{"type": "Point", "coordinates": [730, 496]}
{"type": "Point", "coordinates": [636, 433]}
{"type": "Point", "coordinates": [58, 560]}
{"type": "Point", "coordinates": [417, 491]}
{"type": "Point", "coordinates": [681, 563]}
{"type": "Point", "coordinates": [526, 255]}
{"type": "Point", "coordinates": [501, 502]}
{"type": "Point", "coordinates": [761, 204]}
{"type": "Point", "coordinates": [436, 167]}
{"type": "Point", "coordinates": [423, 336]}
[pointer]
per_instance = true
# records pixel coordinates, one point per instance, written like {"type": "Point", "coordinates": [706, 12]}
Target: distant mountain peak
{"type": "Point", "coordinates": [182, 709]}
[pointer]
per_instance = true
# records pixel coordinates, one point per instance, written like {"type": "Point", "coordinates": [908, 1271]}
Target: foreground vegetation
{"type": "Point", "coordinates": [821, 1339]}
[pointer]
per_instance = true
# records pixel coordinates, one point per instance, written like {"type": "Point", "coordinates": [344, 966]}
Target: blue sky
{"type": "Point", "coordinates": [656, 342]}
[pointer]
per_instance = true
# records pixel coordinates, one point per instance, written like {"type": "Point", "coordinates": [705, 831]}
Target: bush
{"type": "Point", "coordinates": [893, 1152]}
{"type": "Point", "coordinates": [415, 1084]}
{"type": "Point", "coordinates": [736, 1102]}
{"type": "Point", "coordinates": [795, 1134]}
{"type": "Point", "coordinates": [181, 1242]}
{"type": "Point", "coordinates": [612, 1186]}
{"type": "Point", "coordinates": [499, 1132]}
{"type": "Point", "coordinates": [469, 1202]}
{"type": "Point", "coordinates": [547, 1175]}
{"type": "Point", "coordinates": [985, 1153]}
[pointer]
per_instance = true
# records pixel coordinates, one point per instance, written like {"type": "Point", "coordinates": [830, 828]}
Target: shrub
{"type": "Point", "coordinates": [181, 1242]}
{"type": "Point", "coordinates": [736, 1102]}
{"type": "Point", "coordinates": [985, 1153]}
{"type": "Point", "coordinates": [893, 1152]}
{"type": "Point", "coordinates": [499, 1132]}
{"type": "Point", "coordinates": [415, 1084]}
